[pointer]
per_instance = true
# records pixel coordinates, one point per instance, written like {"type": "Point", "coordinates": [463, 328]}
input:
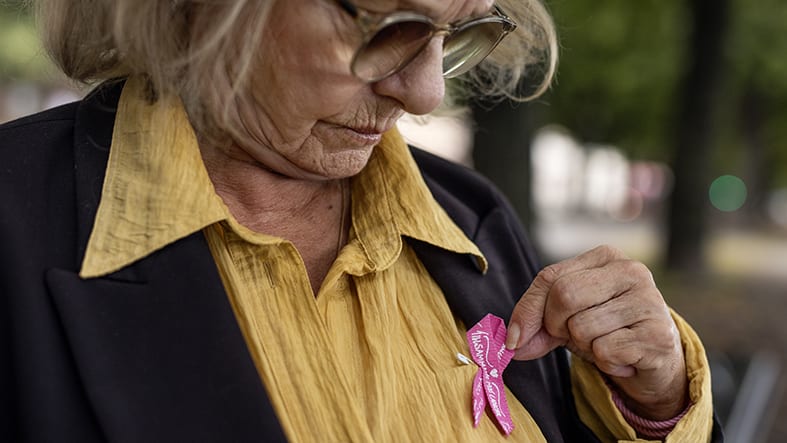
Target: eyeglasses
{"type": "Point", "coordinates": [392, 41]}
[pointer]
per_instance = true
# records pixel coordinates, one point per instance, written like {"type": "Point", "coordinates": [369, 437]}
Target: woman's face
{"type": "Point", "coordinates": [310, 116]}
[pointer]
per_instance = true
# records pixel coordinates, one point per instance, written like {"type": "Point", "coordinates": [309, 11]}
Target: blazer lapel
{"type": "Point", "coordinates": [163, 359]}
{"type": "Point", "coordinates": [470, 293]}
{"type": "Point", "coordinates": [156, 344]}
{"type": "Point", "coordinates": [542, 385]}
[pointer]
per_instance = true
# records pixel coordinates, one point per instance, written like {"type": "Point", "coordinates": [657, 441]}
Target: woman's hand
{"type": "Point", "coordinates": [606, 309]}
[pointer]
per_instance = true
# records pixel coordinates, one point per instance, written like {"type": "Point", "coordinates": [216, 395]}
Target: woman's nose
{"type": "Point", "coordinates": [419, 86]}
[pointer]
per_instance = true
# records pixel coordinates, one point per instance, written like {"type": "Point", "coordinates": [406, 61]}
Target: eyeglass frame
{"type": "Point", "coordinates": [370, 23]}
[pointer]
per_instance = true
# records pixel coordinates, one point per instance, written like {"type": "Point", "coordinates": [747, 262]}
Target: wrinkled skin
{"type": "Point", "coordinates": [314, 124]}
{"type": "Point", "coordinates": [606, 309]}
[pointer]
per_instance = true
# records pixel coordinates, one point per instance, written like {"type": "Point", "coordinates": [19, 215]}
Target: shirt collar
{"type": "Point", "coordinates": [157, 191]}
{"type": "Point", "coordinates": [390, 199]}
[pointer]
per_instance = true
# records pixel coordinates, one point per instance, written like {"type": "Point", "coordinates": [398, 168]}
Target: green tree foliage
{"type": "Point", "coordinates": [758, 47]}
{"type": "Point", "coordinates": [21, 55]}
{"type": "Point", "coordinates": [621, 62]}
{"type": "Point", "coordinates": [625, 67]}
{"type": "Point", "coordinates": [756, 115]}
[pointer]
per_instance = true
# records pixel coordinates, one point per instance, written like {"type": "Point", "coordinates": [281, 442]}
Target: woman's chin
{"type": "Point", "coordinates": [326, 166]}
{"type": "Point", "coordinates": [346, 163]}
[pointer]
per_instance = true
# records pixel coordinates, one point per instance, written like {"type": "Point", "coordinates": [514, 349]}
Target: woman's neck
{"type": "Point", "coordinates": [313, 215]}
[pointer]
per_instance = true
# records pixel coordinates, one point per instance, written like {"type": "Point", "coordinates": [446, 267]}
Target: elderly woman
{"type": "Point", "coordinates": [228, 240]}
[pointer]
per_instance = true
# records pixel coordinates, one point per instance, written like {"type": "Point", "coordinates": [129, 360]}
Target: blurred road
{"type": "Point", "coordinates": [730, 252]}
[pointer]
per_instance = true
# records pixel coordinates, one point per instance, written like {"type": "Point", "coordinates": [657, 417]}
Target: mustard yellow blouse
{"type": "Point", "coordinates": [371, 357]}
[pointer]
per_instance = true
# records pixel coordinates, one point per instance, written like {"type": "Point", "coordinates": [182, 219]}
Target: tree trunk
{"type": "Point", "coordinates": [758, 165]}
{"type": "Point", "coordinates": [694, 135]}
{"type": "Point", "coordinates": [501, 150]}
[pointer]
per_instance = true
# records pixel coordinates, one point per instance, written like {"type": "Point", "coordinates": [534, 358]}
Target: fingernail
{"type": "Point", "coordinates": [512, 338]}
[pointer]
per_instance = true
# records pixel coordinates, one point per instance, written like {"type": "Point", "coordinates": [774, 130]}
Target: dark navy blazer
{"type": "Point", "coordinates": [153, 352]}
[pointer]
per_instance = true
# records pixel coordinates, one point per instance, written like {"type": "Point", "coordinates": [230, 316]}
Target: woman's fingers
{"type": "Point", "coordinates": [582, 307]}
{"type": "Point", "coordinates": [623, 311]}
{"type": "Point", "coordinates": [606, 309]}
{"type": "Point", "coordinates": [527, 320]}
{"type": "Point", "coordinates": [582, 291]}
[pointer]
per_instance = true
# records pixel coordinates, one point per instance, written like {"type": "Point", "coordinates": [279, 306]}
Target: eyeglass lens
{"type": "Point", "coordinates": [396, 44]}
{"type": "Point", "coordinates": [392, 47]}
{"type": "Point", "coordinates": [469, 46]}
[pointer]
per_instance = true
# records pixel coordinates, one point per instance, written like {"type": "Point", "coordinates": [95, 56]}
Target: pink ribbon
{"type": "Point", "coordinates": [487, 348]}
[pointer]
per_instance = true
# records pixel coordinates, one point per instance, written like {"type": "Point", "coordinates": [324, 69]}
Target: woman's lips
{"type": "Point", "coordinates": [364, 135]}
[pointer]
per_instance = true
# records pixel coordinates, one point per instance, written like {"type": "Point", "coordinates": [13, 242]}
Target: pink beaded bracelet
{"type": "Point", "coordinates": [643, 426]}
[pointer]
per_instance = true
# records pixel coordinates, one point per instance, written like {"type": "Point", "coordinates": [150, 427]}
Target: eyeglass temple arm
{"type": "Point", "coordinates": [349, 7]}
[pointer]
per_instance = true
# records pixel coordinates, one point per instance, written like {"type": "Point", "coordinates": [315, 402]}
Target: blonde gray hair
{"type": "Point", "coordinates": [202, 50]}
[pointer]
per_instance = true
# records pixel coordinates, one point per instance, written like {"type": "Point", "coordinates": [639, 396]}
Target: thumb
{"type": "Point", "coordinates": [526, 333]}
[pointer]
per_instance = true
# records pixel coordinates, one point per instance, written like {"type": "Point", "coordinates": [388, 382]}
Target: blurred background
{"type": "Point", "coordinates": [665, 134]}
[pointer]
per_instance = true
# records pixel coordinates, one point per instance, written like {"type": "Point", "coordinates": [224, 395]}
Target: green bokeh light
{"type": "Point", "coordinates": [727, 193]}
